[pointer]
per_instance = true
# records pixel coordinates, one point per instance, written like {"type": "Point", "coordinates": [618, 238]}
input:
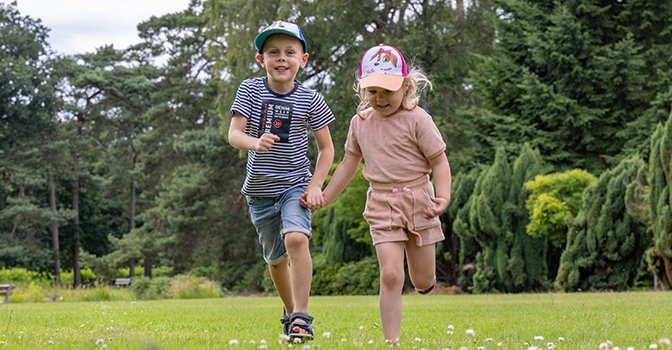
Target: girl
{"type": "Point", "coordinates": [400, 145]}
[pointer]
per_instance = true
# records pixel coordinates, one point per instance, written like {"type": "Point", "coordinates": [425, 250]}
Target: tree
{"type": "Point", "coordinates": [576, 79]}
{"type": "Point", "coordinates": [659, 256]}
{"type": "Point", "coordinates": [554, 199]}
{"type": "Point", "coordinates": [605, 244]}
{"type": "Point", "coordinates": [509, 260]}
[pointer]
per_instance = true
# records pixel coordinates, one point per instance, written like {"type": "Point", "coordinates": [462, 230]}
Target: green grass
{"type": "Point", "coordinates": [584, 320]}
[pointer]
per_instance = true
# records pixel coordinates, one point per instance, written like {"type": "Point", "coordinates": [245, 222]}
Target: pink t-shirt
{"type": "Point", "coordinates": [396, 148]}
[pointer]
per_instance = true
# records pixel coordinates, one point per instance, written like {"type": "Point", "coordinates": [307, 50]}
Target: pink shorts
{"type": "Point", "coordinates": [396, 212]}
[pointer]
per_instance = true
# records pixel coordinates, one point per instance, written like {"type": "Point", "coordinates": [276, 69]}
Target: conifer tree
{"type": "Point", "coordinates": [605, 244]}
{"type": "Point", "coordinates": [659, 256]}
{"type": "Point", "coordinates": [510, 260]}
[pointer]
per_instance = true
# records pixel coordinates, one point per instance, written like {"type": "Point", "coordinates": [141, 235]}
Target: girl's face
{"type": "Point", "coordinates": [385, 102]}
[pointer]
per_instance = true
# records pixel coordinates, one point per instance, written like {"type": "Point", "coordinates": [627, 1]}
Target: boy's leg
{"type": "Point", "coordinates": [421, 264]}
{"type": "Point", "coordinates": [301, 271]}
{"type": "Point", "coordinates": [391, 261]}
{"type": "Point", "coordinates": [281, 276]}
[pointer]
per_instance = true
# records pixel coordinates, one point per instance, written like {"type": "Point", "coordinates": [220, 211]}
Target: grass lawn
{"type": "Point", "coordinates": [583, 320]}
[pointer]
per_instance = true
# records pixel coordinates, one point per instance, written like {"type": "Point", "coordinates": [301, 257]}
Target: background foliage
{"type": "Point", "coordinates": [117, 161]}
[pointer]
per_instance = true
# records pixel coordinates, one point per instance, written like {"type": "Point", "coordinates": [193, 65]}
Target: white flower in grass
{"type": "Point", "coordinates": [233, 342]}
{"type": "Point", "coordinates": [284, 339]}
{"type": "Point", "coordinates": [450, 327]}
{"type": "Point", "coordinates": [51, 341]}
{"type": "Point", "coordinates": [297, 340]}
{"type": "Point", "coordinates": [499, 344]}
{"type": "Point", "coordinates": [604, 346]}
{"type": "Point", "coordinates": [343, 340]}
{"type": "Point", "coordinates": [100, 341]}
{"type": "Point", "coordinates": [252, 342]}
{"type": "Point", "coordinates": [533, 348]}
{"type": "Point", "coordinates": [664, 342]}
{"type": "Point", "coordinates": [361, 327]}
{"type": "Point", "coordinates": [488, 339]}
{"type": "Point", "coordinates": [263, 346]}
{"type": "Point", "coordinates": [326, 335]}
{"type": "Point", "coordinates": [538, 337]}
{"type": "Point", "coordinates": [616, 348]}
{"type": "Point", "coordinates": [417, 339]}
{"type": "Point", "coordinates": [470, 332]}
{"type": "Point", "coordinates": [480, 347]}
{"type": "Point", "coordinates": [464, 348]}
{"type": "Point", "coordinates": [550, 345]}
{"type": "Point", "coordinates": [561, 339]}
{"type": "Point", "coordinates": [653, 346]}
{"type": "Point", "coordinates": [263, 342]}
{"type": "Point", "coordinates": [306, 347]}
{"type": "Point", "coordinates": [630, 348]}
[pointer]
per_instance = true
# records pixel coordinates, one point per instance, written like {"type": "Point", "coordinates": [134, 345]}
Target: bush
{"type": "Point", "coordinates": [88, 277]}
{"type": "Point", "coordinates": [256, 279]}
{"type": "Point", "coordinates": [356, 278]}
{"type": "Point", "coordinates": [32, 294]}
{"type": "Point", "coordinates": [20, 275]}
{"type": "Point", "coordinates": [152, 288]}
{"type": "Point", "coordinates": [192, 287]}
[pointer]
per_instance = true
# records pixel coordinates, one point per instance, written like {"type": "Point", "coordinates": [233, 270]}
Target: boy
{"type": "Point", "coordinates": [270, 117]}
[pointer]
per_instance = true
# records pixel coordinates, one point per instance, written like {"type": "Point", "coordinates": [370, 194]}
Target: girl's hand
{"type": "Point", "coordinates": [440, 205]}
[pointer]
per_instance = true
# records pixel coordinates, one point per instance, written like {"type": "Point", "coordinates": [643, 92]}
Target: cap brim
{"type": "Point", "coordinates": [387, 82]}
{"type": "Point", "coordinates": [261, 38]}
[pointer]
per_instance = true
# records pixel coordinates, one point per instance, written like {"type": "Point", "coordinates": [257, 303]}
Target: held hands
{"type": "Point", "coordinates": [313, 198]}
{"type": "Point", "coordinates": [440, 205]}
{"type": "Point", "coordinates": [265, 142]}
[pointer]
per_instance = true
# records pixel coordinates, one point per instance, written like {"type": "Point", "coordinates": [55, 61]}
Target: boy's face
{"type": "Point", "coordinates": [282, 57]}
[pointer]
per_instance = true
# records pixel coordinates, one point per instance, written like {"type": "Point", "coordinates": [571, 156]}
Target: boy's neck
{"type": "Point", "coordinates": [281, 89]}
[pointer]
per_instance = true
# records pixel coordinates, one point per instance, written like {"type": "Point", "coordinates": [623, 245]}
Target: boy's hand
{"type": "Point", "coordinates": [440, 205]}
{"type": "Point", "coordinates": [266, 141]}
{"type": "Point", "coordinates": [313, 199]}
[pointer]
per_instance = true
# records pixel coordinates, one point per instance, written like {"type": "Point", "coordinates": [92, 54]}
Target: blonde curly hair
{"type": "Point", "coordinates": [415, 82]}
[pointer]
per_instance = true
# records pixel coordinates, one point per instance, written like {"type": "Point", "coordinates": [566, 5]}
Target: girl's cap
{"type": "Point", "coordinates": [281, 27]}
{"type": "Point", "coordinates": [382, 66]}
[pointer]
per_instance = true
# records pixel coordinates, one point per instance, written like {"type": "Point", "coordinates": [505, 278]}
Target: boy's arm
{"type": "Point", "coordinates": [240, 140]}
{"type": "Point", "coordinates": [342, 177]}
{"type": "Point", "coordinates": [442, 185]}
{"type": "Point", "coordinates": [325, 157]}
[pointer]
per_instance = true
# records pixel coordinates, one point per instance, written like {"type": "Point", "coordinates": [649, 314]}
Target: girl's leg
{"type": "Point", "coordinates": [391, 261]}
{"type": "Point", "coordinates": [421, 264]}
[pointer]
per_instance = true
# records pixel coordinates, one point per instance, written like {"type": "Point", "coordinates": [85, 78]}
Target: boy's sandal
{"type": "Point", "coordinates": [428, 289]}
{"type": "Point", "coordinates": [307, 326]}
{"type": "Point", "coordinates": [285, 322]}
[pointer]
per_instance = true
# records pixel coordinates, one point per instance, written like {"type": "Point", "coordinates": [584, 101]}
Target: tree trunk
{"type": "Point", "coordinates": [54, 231]}
{"type": "Point", "coordinates": [148, 267]}
{"type": "Point", "coordinates": [75, 207]}
{"type": "Point", "coordinates": [459, 9]}
{"type": "Point", "coordinates": [131, 272]}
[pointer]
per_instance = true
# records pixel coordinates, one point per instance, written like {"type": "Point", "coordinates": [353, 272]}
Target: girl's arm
{"type": "Point", "coordinates": [240, 140]}
{"type": "Point", "coordinates": [325, 157]}
{"type": "Point", "coordinates": [442, 185]}
{"type": "Point", "coordinates": [342, 177]}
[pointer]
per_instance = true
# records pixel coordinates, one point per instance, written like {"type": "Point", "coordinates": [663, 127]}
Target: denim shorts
{"type": "Point", "coordinates": [274, 217]}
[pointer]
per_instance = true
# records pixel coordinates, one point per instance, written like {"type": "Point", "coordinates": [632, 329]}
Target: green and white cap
{"type": "Point", "coordinates": [280, 27]}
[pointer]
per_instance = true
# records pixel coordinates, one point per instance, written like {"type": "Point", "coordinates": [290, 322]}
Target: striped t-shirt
{"type": "Point", "coordinates": [289, 116]}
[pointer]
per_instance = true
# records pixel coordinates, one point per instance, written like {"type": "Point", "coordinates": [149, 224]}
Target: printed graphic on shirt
{"type": "Point", "coordinates": [276, 117]}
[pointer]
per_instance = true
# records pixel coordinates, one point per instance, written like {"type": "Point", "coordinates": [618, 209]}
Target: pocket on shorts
{"type": "Point", "coordinates": [422, 199]}
{"type": "Point", "coordinates": [377, 211]}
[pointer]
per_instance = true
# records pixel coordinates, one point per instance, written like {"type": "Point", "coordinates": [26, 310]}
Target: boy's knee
{"type": "Point", "coordinates": [296, 240]}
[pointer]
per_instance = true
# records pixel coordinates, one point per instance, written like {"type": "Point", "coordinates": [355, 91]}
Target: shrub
{"type": "Point", "coordinates": [20, 275]}
{"type": "Point", "coordinates": [32, 294]}
{"type": "Point", "coordinates": [152, 288]}
{"type": "Point", "coordinates": [88, 277]}
{"type": "Point", "coordinates": [356, 278]}
{"type": "Point", "coordinates": [192, 287]}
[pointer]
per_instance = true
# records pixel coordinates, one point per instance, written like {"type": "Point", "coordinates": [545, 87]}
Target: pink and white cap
{"type": "Point", "coordinates": [382, 66]}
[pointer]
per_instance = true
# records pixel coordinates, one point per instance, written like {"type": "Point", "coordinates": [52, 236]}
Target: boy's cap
{"type": "Point", "coordinates": [281, 27]}
{"type": "Point", "coordinates": [382, 66]}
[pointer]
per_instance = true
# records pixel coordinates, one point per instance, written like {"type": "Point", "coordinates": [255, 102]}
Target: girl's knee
{"type": "Point", "coordinates": [391, 277]}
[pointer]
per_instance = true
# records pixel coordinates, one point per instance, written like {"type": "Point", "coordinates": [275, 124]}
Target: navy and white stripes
{"type": "Point", "coordinates": [289, 116]}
